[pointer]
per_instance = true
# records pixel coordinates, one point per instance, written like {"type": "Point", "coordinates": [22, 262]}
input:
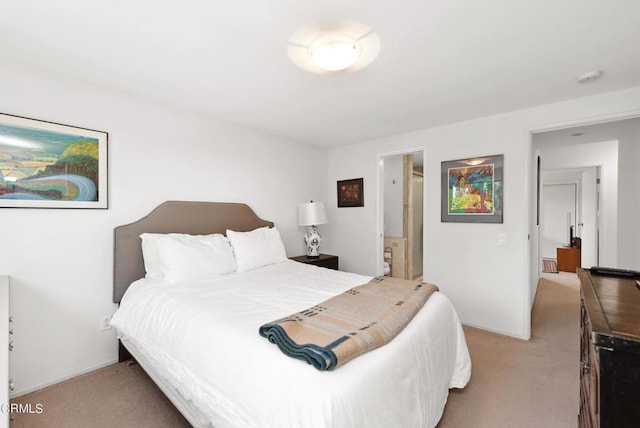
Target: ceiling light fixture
{"type": "Point", "coordinates": [334, 55]}
{"type": "Point", "coordinates": [589, 76]}
{"type": "Point", "coordinates": [344, 46]}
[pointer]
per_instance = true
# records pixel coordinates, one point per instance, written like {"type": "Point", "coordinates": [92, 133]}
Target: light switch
{"type": "Point", "coordinates": [502, 239]}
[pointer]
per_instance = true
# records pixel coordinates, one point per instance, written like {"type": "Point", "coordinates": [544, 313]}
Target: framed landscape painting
{"type": "Point", "coordinates": [472, 190]}
{"type": "Point", "coordinates": [49, 165]}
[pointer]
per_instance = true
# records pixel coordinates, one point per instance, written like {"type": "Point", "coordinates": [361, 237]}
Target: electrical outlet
{"type": "Point", "coordinates": [105, 323]}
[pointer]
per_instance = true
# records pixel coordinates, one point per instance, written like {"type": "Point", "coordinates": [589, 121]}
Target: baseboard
{"type": "Point", "coordinates": [25, 391]}
{"type": "Point", "coordinates": [502, 333]}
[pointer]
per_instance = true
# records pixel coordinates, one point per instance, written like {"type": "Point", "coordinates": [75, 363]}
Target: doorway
{"type": "Point", "coordinates": [578, 196]}
{"type": "Point", "coordinates": [401, 214]}
{"type": "Point", "coordinates": [570, 208]}
{"type": "Point", "coordinates": [604, 156]}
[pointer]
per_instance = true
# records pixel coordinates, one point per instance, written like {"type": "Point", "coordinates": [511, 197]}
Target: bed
{"type": "Point", "coordinates": [198, 338]}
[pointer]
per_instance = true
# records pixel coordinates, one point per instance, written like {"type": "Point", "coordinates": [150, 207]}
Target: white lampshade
{"type": "Point", "coordinates": [311, 214]}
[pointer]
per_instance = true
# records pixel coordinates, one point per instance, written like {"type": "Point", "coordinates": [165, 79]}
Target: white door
{"type": "Point", "coordinates": [558, 214]}
{"type": "Point", "coordinates": [588, 222]}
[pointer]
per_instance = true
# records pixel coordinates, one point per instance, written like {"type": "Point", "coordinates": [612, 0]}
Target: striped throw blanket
{"type": "Point", "coordinates": [350, 324]}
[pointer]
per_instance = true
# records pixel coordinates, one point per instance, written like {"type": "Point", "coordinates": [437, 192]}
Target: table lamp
{"type": "Point", "coordinates": [311, 214]}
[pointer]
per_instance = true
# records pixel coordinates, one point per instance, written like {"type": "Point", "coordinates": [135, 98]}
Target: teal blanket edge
{"type": "Point", "coordinates": [321, 358]}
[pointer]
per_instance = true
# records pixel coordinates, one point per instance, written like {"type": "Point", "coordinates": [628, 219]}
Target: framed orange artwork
{"type": "Point", "coordinates": [351, 193]}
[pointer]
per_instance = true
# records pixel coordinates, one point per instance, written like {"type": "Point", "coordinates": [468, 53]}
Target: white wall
{"type": "Point", "coordinates": [559, 202]}
{"type": "Point", "coordinates": [488, 284]}
{"type": "Point", "coordinates": [535, 201]}
{"type": "Point", "coordinates": [628, 195]}
{"type": "Point", "coordinates": [60, 261]}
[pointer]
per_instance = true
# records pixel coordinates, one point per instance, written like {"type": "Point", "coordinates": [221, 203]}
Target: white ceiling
{"type": "Point", "coordinates": [440, 61]}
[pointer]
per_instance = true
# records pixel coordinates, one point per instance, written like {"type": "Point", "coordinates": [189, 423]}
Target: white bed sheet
{"type": "Point", "coordinates": [202, 337]}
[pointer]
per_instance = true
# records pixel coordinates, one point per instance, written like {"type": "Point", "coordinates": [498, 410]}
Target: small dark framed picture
{"type": "Point", "coordinates": [351, 193]}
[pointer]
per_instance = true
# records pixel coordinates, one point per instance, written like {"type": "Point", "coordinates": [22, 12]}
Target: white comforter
{"type": "Point", "coordinates": [204, 336]}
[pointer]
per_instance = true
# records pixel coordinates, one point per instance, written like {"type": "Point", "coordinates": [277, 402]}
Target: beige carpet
{"type": "Point", "coordinates": [116, 396]}
{"type": "Point", "coordinates": [514, 383]}
{"type": "Point", "coordinates": [524, 384]}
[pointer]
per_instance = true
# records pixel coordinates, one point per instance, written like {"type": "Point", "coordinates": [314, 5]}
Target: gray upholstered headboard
{"type": "Point", "coordinates": [194, 218]}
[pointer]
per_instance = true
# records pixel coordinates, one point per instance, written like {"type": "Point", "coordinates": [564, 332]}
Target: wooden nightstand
{"type": "Point", "coordinates": [325, 260]}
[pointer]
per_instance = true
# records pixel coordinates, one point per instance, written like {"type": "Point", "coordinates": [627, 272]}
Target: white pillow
{"type": "Point", "coordinates": [257, 248]}
{"type": "Point", "coordinates": [152, 263]}
{"type": "Point", "coordinates": [178, 257]}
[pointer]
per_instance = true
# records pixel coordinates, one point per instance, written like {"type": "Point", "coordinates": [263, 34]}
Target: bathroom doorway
{"type": "Point", "coordinates": [402, 214]}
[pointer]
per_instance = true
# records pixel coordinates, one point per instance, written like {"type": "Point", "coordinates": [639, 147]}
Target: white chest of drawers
{"type": "Point", "coordinates": [4, 351]}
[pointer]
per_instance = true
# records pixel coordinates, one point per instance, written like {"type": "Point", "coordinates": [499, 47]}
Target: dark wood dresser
{"type": "Point", "coordinates": [610, 351]}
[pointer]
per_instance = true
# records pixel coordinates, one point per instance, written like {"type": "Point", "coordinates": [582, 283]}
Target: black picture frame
{"type": "Point", "coordinates": [350, 193]}
{"type": "Point", "coordinates": [472, 190]}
